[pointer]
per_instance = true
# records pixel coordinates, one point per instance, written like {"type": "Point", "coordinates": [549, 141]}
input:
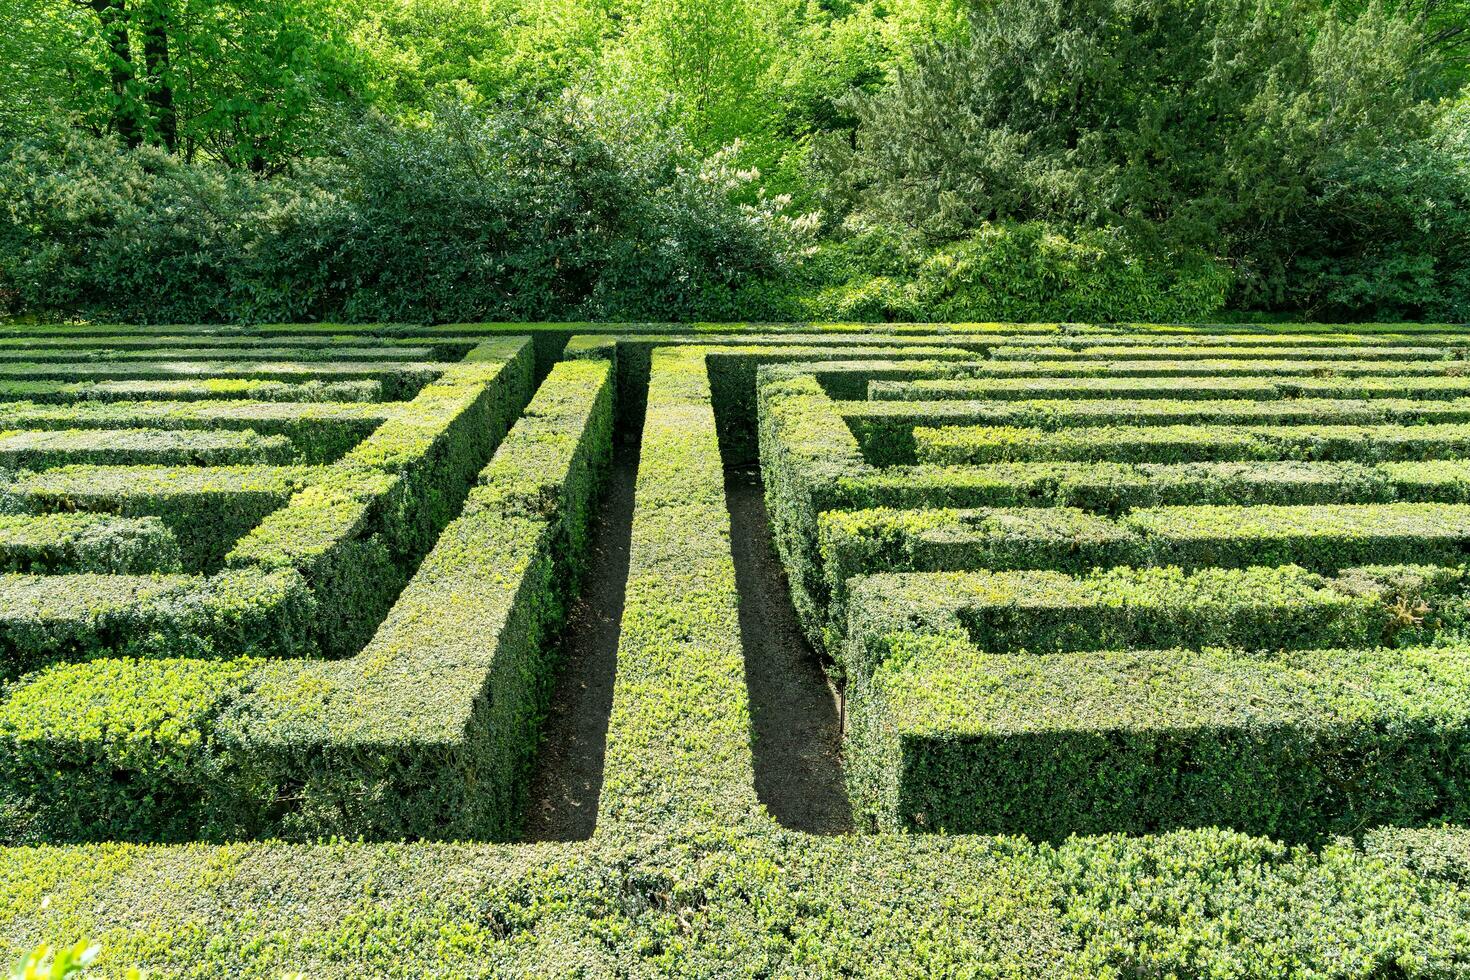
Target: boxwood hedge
{"type": "Point", "coordinates": [1295, 745]}
{"type": "Point", "coordinates": [686, 875]}
{"type": "Point", "coordinates": [55, 543]}
{"type": "Point", "coordinates": [208, 508]}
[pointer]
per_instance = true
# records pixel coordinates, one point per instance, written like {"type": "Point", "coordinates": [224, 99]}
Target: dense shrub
{"type": "Point", "coordinates": [1283, 138]}
{"type": "Point", "coordinates": [1020, 271]}
{"type": "Point", "coordinates": [551, 212]}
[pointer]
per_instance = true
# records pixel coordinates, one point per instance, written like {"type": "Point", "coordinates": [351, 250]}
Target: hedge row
{"type": "Point", "coordinates": [57, 543]}
{"type": "Point", "coordinates": [678, 738]}
{"type": "Point", "coordinates": [1070, 413]}
{"type": "Point", "coordinates": [1189, 903]}
{"type": "Point", "coordinates": [886, 429]}
{"type": "Point", "coordinates": [1321, 537]}
{"type": "Point", "coordinates": [425, 733]}
{"type": "Point", "coordinates": [69, 392]}
{"type": "Point", "coordinates": [357, 533]}
{"type": "Point", "coordinates": [43, 449]}
{"type": "Point", "coordinates": [400, 380]}
{"type": "Point", "coordinates": [208, 508]}
{"type": "Point", "coordinates": [429, 730]}
{"type": "Point", "coordinates": [1217, 367]}
{"type": "Point", "coordinates": [1033, 389]}
{"type": "Point", "coordinates": [963, 385]}
{"type": "Point", "coordinates": [812, 463]}
{"type": "Point", "coordinates": [1188, 443]}
{"type": "Point", "coordinates": [319, 431]}
{"type": "Point", "coordinates": [1169, 352]}
{"type": "Point", "coordinates": [46, 619]}
{"type": "Point", "coordinates": [1275, 608]}
{"type": "Point", "coordinates": [1117, 487]}
{"type": "Point", "coordinates": [232, 354]}
{"type": "Point", "coordinates": [1296, 746]}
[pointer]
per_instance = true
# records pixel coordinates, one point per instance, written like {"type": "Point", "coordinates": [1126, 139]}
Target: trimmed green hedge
{"type": "Point", "coordinates": [357, 533]}
{"type": "Point", "coordinates": [232, 354]}
{"type": "Point", "coordinates": [1325, 538]}
{"type": "Point", "coordinates": [429, 730]}
{"type": "Point", "coordinates": [57, 543]}
{"type": "Point", "coordinates": [113, 749]}
{"type": "Point", "coordinates": [678, 739]}
{"type": "Point", "coordinates": [968, 383]}
{"type": "Point", "coordinates": [39, 450]}
{"type": "Point", "coordinates": [1255, 365]}
{"type": "Point", "coordinates": [1070, 413]}
{"type": "Point", "coordinates": [400, 380]}
{"type": "Point", "coordinates": [70, 392]}
{"type": "Point", "coordinates": [319, 431]}
{"type": "Point", "coordinates": [208, 508]}
{"type": "Point", "coordinates": [1190, 443]}
{"type": "Point", "coordinates": [49, 618]}
{"type": "Point", "coordinates": [1322, 538]}
{"type": "Point", "coordinates": [1029, 389]}
{"type": "Point", "coordinates": [1295, 746]}
{"type": "Point", "coordinates": [1121, 608]}
{"type": "Point", "coordinates": [1170, 352]}
{"type": "Point", "coordinates": [426, 733]}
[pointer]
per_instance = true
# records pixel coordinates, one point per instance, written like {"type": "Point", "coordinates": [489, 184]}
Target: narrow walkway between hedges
{"type": "Point", "coordinates": [567, 777]}
{"type": "Point", "coordinates": [798, 767]}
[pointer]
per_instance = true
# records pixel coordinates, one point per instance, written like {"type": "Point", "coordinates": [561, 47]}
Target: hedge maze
{"type": "Point", "coordinates": [1149, 643]}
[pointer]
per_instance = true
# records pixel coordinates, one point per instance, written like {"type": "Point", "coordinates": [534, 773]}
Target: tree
{"type": "Point", "coordinates": [243, 81]}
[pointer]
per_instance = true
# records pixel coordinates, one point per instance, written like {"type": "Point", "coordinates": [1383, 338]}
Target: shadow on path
{"type": "Point", "coordinates": [798, 768]}
{"type": "Point", "coordinates": [566, 779]}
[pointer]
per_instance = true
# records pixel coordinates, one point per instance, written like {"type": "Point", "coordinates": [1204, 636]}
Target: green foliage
{"type": "Point", "coordinates": [506, 213]}
{"type": "Point", "coordinates": [59, 543]}
{"type": "Point", "coordinates": [1282, 139]}
{"type": "Point", "coordinates": [1294, 746]}
{"type": "Point", "coordinates": [51, 618]}
{"type": "Point", "coordinates": [247, 83]}
{"type": "Point", "coordinates": [1192, 443]}
{"type": "Point", "coordinates": [69, 731]}
{"type": "Point", "coordinates": [428, 732]}
{"type": "Point", "coordinates": [1007, 270]}
{"type": "Point", "coordinates": [206, 508]}
{"type": "Point", "coordinates": [356, 532]}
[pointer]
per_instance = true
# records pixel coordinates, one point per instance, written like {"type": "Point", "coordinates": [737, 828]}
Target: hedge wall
{"type": "Point", "coordinates": [39, 450]}
{"type": "Point", "coordinates": [426, 733]}
{"type": "Point", "coordinates": [1295, 746]}
{"type": "Point", "coordinates": [208, 508]}
{"type": "Point", "coordinates": [71, 392]}
{"type": "Point", "coordinates": [357, 533]}
{"type": "Point", "coordinates": [1190, 443]}
{"type": "Point", "coordinates": [59, 543]}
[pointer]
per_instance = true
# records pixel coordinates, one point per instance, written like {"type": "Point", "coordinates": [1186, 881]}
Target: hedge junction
{"type": "Point", "coordinates": [1151, 644]}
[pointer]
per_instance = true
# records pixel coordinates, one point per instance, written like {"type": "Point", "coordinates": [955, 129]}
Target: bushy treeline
{"type": "Point", "coordinates": [761, 159]}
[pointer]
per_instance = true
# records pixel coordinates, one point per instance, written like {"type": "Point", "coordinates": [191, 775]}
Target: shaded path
{"type": "Point", "coordinates": [566, 778]}
{"type": "Point", "coordinates": [798, 769]}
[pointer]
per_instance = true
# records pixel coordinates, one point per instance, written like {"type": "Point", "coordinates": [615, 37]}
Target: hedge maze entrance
{"type": "Point", "coordinates": [780, 632]}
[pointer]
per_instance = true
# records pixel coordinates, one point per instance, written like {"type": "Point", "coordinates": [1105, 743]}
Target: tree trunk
{"type": "Point", "coordinates": [114, 17]}
{"type": "Point", "coordinates": [160, 78]}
